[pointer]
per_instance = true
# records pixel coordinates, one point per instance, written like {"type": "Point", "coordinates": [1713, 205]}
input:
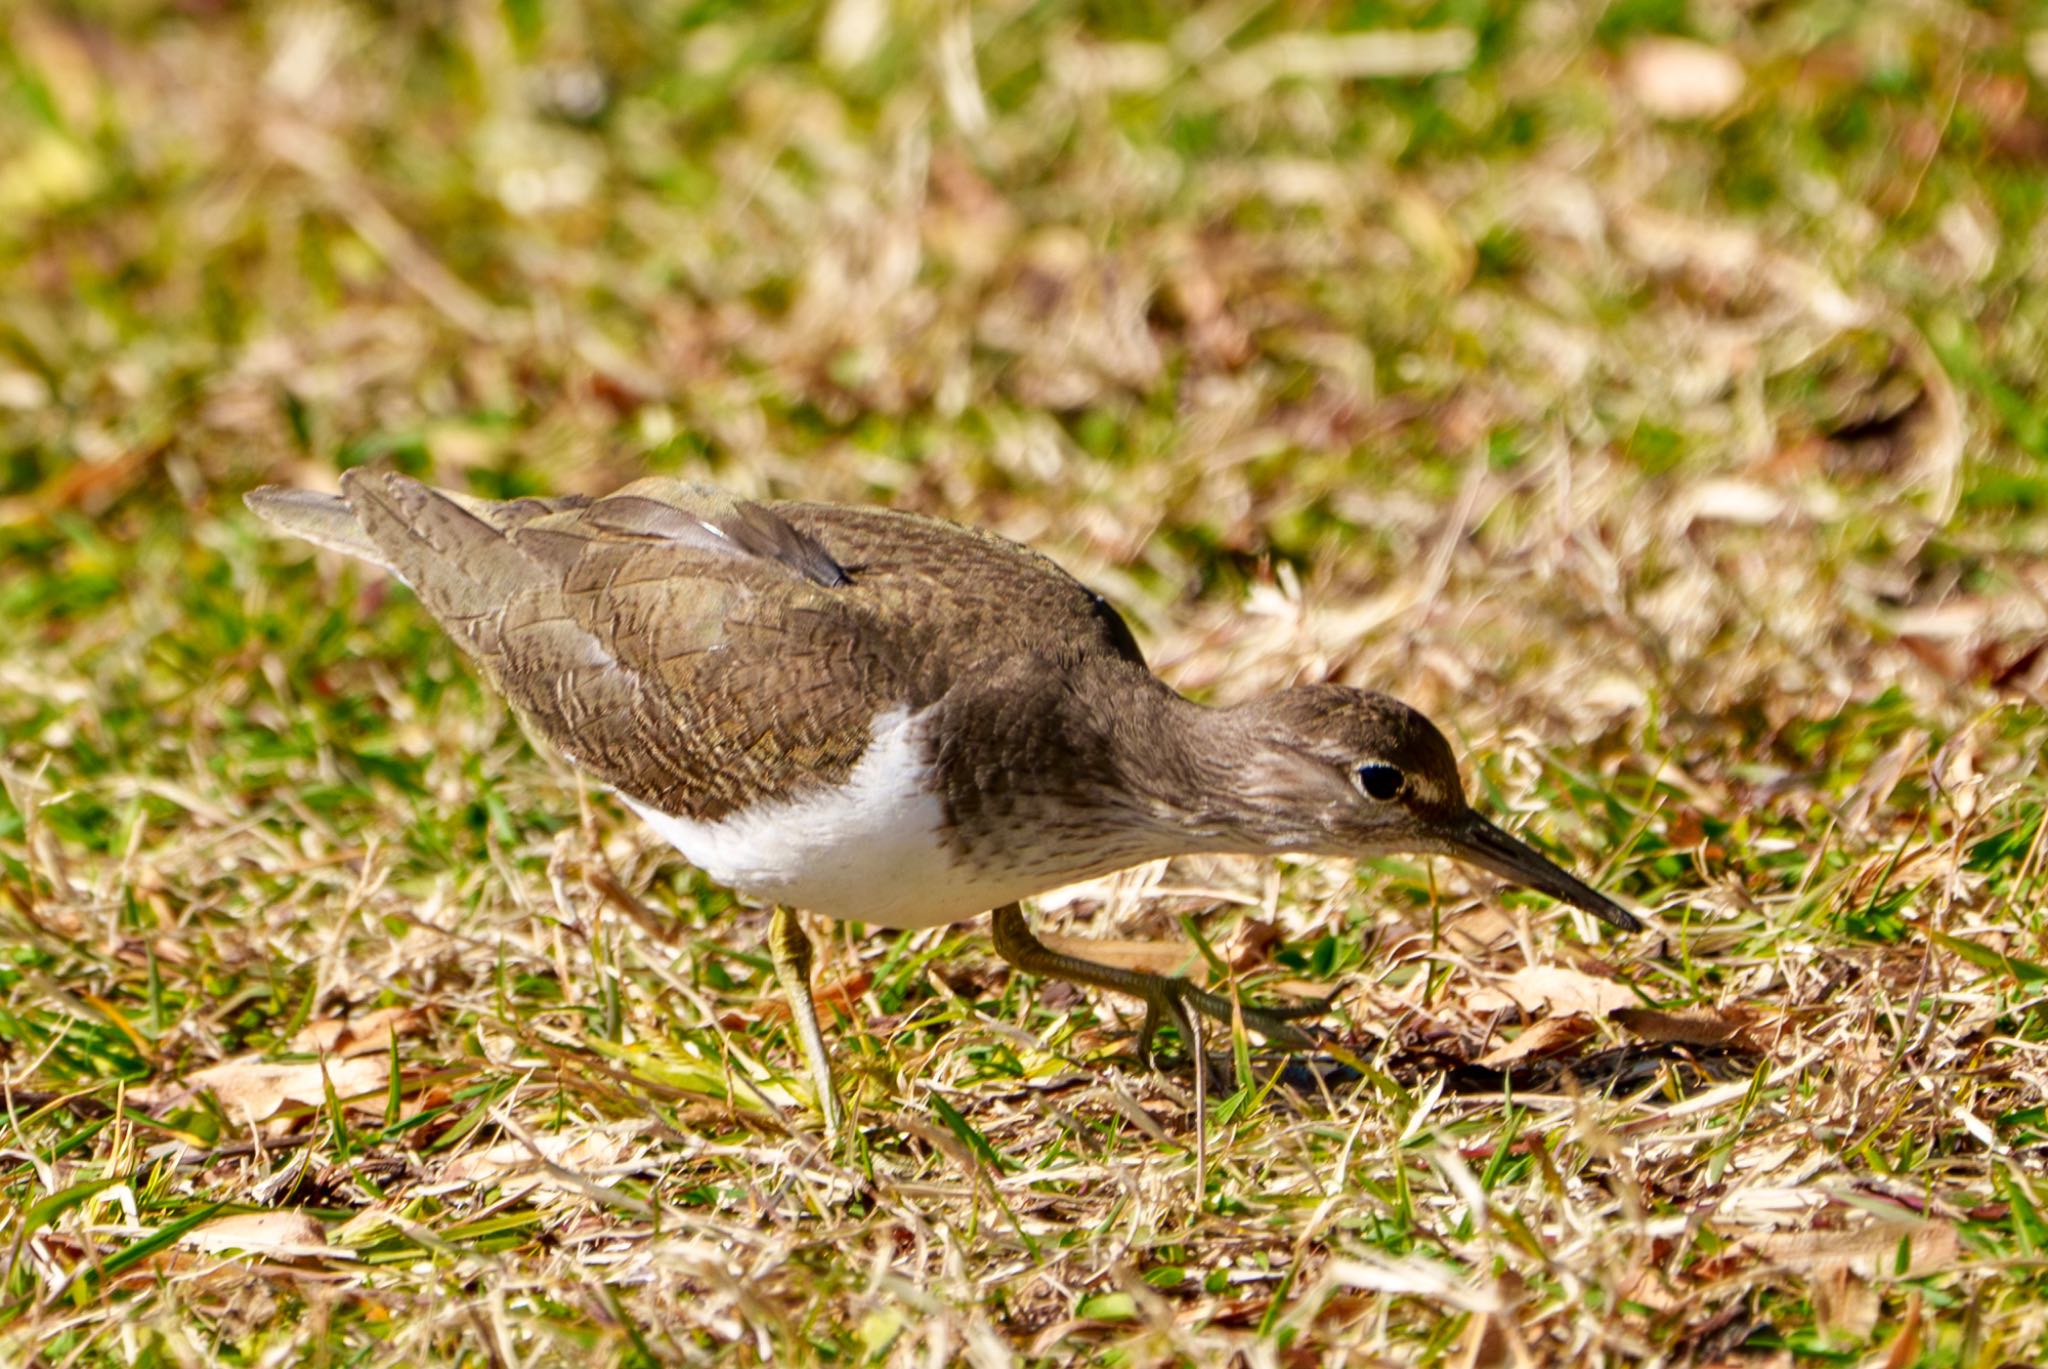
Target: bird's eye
{"type": "Point", "coordinates": [1380, 781]}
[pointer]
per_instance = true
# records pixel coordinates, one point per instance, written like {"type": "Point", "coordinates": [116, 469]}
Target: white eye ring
{"type": "Point", "coordinates": [1380, 781]}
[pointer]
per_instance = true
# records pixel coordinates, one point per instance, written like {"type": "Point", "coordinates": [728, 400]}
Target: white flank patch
{"type": "Point", "coordinates": [867, 850]}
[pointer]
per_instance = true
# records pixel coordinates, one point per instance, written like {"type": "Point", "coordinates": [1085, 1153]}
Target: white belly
{"type": "Point", "coordinates": [867, 850]}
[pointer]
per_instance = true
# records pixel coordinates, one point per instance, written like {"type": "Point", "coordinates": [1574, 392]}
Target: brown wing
{"type": "Point", "coordinates": [699, 652]}
{"type": "Point", "coordinates": [675, 643]}
{"type": "Point", "coordinates": [925, 577]}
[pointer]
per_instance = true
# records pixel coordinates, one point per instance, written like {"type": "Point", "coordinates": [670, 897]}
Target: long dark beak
{"type": "Point", "coordinates": [1492, 849]}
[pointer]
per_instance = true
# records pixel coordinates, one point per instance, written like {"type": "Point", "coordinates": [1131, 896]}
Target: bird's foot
{"type": "Point", "coordinates": [1183, 999]}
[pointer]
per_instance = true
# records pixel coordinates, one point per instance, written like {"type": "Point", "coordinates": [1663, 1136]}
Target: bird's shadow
{"type": "Point", "coordinates": [1312, 1075]}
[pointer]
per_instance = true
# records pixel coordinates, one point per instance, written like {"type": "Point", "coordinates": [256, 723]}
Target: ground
{"type": "Point", "coordinates": [1648, 391]}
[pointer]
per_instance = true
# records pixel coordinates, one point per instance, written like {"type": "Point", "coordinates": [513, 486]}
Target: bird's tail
{"type": "Point", "coordinates": [325, 520]}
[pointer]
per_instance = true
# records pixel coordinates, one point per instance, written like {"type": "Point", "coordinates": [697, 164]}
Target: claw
{"type": "Point", "coordinates": [1182, 999]}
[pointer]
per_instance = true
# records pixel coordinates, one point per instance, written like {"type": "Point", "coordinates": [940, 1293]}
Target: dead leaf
{"type": "Point", "coordinates": [250, 1089]}
{"type": "Point", "coordinates": [1483, 929]}
{"type": "Point", "coordinates": [1563, 992]}
{"type": "Point", "coordinates": [1495, 1340]}
{"type": "Point", "coordinates": [1880, 778]}
{"type": "Point", "coordinates": [1688, 832]}
{"type": "Point", "coordinates": [2013, 674]}
{"type": "Point", "coordinates": [1650, 1287]}
{"type": "Point", "coordinates": [843, 994]}
{"type": "Point", "coordinates": [339, 1036]}
{"type": "Point", "coordinates": [1675, 78]}
{"type": "Point", "coordinates": [1490, 1343]}
{"type": "Point", "coordinates": [1248, 947]}
{"type": "Point", "coordinates": [1548, 1036]}
{"type": "Point", "coordinates": [516, 1169]}
{"type": "Point", "coordinates": [1153, 957]}
{"type": "Point", "coordinates": [283, 1233]}
{"type": "Point", "coordinates": [1906, 1345]}
{"type": "Point", "coordinates": [1688, 1026]}
{"type": "Point", "coordinates": [1871, 1251]}
{"type": "Point", "coordinates": [1845, 1306]}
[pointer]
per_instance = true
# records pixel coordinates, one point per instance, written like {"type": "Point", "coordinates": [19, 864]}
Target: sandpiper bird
{"type": "Point", "coordinates": [891, 719]}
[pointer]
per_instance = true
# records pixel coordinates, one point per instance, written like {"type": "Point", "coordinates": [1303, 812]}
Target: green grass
{"type": "Point", "coordinates": [1691, 472]}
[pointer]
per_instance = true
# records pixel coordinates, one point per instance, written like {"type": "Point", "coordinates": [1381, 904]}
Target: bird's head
{"type": "Point", "coordinates": [1338, 771]}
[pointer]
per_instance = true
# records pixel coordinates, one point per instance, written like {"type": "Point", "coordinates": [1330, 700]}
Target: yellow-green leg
{"type": "Point", "coordinates": [790, 949]}
{"type": "Point", "coordinates": [1161, 995]}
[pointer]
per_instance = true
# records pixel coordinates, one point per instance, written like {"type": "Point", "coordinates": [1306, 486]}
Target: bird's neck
{"type": "Point", "coordinates": [1205, 775]}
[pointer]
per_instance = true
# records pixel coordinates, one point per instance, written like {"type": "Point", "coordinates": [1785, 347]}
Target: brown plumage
{"type": "Point", "coordinates": [699, 652]}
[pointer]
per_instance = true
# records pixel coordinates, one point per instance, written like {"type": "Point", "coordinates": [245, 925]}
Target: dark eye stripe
{"type": "Point", "coordinates": [1380, 781]}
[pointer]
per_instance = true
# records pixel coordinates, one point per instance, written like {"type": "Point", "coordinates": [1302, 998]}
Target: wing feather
{"type": "Point", "coordinates": [700, 652]}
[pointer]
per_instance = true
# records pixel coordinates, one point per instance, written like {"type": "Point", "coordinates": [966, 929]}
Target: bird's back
{"type": "Point", "coordinates": [701, 653]}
